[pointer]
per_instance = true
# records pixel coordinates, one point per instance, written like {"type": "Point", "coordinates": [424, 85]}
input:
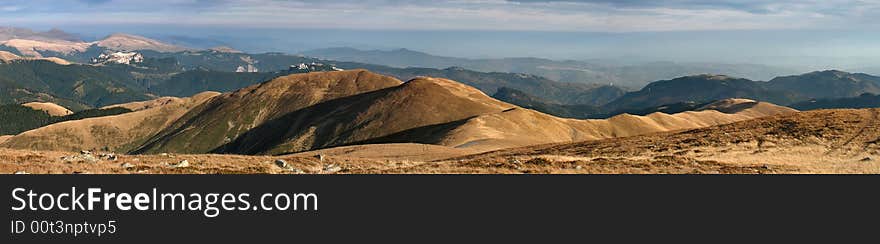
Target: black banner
{"type": "Point", "coordinates": [417, 208]}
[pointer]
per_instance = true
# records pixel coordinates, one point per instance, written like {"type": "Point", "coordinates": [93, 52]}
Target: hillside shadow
{"type": "Point", "coordinates": [325, 121]}
{"type": "Point", "coordinates": [429, 134]}
{"type": "Point", "coordinates": [325, 118]}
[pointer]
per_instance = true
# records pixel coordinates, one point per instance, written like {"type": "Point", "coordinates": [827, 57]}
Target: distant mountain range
{"type": "Point", "coordinates": [782, 90]}
{"type": "Point", "coordinates": [80, 86]}
{"type": "Point", "coordinates": [866, 100]}
{"type": "Point", "coordinates": [525, 100]}
{"type": "Point", "coordinates": [131, 68]}
{"type": "Point", "coordinates": [56, 67]}
{"type": "Point", "coordinates": [700, 88]}
{"type": "Point", "coordinates": [7, 33]}
{"type": "Point", "coordinates": [59, 44]}
{"type": "Point", "coordinates": [827, 84]}
{"type": "Point", "coordinates": [634, 75]}
{"type": "Point", "coordinates": [815, 90]}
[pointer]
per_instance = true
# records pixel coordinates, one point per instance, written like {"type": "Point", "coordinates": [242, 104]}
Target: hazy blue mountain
{"type": "Point", "coordinates": [230, 62]}
{"type": "Point", "coordinates": [786, 90]}
{"type": "Point", "coordinates": [634, 75]}
{"type": "Point", "coordinates": [700, 88]}
{"type": "Point", "coordinates": [400, 58]}
{"type": "Point", "coordinates": [827, 84]}
{"type": "Point", "coordinates": [189, 41]}
{"type": "Point", "coordinates": [526, 100]}
{"type": "Point", "coordinates": [7, 33]}
{"type": "Point", "coordinates": [490, 82]}
{"type": "Point", "coordinates": [866, 100]}
{"type": "Point", "coordinates": [665, 108]}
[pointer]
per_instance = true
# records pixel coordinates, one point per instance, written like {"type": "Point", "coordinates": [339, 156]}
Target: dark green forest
{"type": "Point", "coordinates": [16, 118]}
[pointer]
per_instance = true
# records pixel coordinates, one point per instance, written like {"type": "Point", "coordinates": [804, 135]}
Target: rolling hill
{"type": "Point", "coordinates": [815, 142]}
{"type": "Point", "coordinates": [128, 42]}
{"type": "Point", "coordinates": [824, 141]}
{"type": "Point", "coordinates": [317, 110]}
{"type": "Point", "coordinates": [422, 110]}
{"type": "Point", "coordinates": [7, 57]}
{"type": "Point", "coordinates": [120, 133]}
{"type": "Point", "coordinates": [50, 108]}
{"type": "Point", "coordinates": [230, 115]}
{"type": "Point", "coordinates": [15, 118]}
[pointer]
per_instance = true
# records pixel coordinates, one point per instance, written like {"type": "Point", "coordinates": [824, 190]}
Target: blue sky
{"type": "Point", "coordinates": [530, 15]}
{"type": "Point", "coordinates": [678, 30]}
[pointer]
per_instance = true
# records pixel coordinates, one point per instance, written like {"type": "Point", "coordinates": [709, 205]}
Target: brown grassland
{"type": "Point", "coordinates": [826, 141]}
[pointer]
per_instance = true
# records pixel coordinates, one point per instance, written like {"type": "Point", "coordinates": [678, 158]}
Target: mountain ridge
{"type": "Point", "coordinates": [631, 75]}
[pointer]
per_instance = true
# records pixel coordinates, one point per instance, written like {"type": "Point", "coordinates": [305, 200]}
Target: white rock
{"type": "Point", "coordinates": [331, 168]}
{"type": "Point", "coordinates": [182, 164]}
{"type": "Point", "coordinates": [118, 58]}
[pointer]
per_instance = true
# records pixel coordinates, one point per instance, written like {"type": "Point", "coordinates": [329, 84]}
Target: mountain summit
{"type": "Point", "coordinates": [128, 42]}
{"type": "Point", "coordinates": [828, 84]}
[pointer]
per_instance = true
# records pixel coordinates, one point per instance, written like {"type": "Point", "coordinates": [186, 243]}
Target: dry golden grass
{"type": "Point", "coordinates": [159, 102]}
{"type": "Point", "coordinates": [827, 141]}
{"type": "Point", "coordinates": [6, 57]}
{"type": "Point", "coordinates": [390, 152]}
{"type": "Point", "coordinates": [50, 108]}
{"type": "Point", "coordinates": [119, 133]}
{"type": "Point", "coordinates": [522, 127]}
{"type": "Point", "coordinates": [131, 42]}
{"type": "Point", "coordinates": [30, 47]}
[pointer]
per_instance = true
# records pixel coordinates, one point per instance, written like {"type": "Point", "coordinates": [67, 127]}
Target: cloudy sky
{"type": "Point", "coordinates": [534, 15]}
{"type": "Point", "coordinates": [558, 29]}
